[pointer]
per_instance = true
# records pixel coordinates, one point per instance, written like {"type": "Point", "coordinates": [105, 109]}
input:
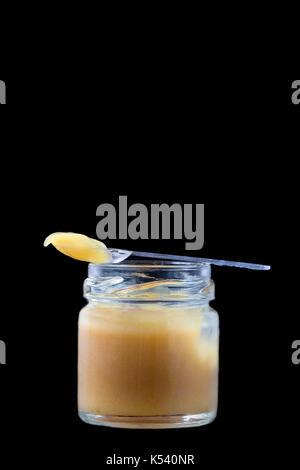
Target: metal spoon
{"type": "Point", "coordinates": [119, 255]}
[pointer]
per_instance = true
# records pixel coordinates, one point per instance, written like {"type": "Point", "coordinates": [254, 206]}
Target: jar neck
{"type": "Point", "coordinates": [143, 281]}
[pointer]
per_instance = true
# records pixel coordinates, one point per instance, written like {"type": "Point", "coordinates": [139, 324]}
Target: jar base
{"type": "Point", "coordinates": [149, 422]}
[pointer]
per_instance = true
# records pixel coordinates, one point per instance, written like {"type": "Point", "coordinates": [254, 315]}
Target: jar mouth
{"type": "Point", "coordinates": [150, 264]}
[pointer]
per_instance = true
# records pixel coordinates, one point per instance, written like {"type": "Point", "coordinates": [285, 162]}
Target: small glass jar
{"type": "Point", "coordinates": [148, 346]}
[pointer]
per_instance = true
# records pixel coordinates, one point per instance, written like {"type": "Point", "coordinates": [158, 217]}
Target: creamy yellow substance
{"type": "Point", "coordinates": [79, 247]}
{"type": "Point", "coordinates": [145, 361]}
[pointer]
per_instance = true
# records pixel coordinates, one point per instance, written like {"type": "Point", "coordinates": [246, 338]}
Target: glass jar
{"type": "Point", "coordinates": [148, 346]}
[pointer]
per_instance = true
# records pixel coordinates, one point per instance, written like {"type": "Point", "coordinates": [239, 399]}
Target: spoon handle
{"type": "Point", "coordinates": [218, 262]}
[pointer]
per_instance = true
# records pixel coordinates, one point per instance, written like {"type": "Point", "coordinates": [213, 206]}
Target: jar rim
{"type": "Point", "coordinates": [203, 270]}
{"type": "Point", "coordinates": [152, 263]}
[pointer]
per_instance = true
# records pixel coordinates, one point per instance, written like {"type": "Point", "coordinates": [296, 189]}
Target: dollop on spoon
{"type": "Point", "coordinates": [80, 247]}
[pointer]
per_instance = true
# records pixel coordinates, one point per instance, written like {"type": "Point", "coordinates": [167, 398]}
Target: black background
{"type": "Point", "coordinates": [228, 142]}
